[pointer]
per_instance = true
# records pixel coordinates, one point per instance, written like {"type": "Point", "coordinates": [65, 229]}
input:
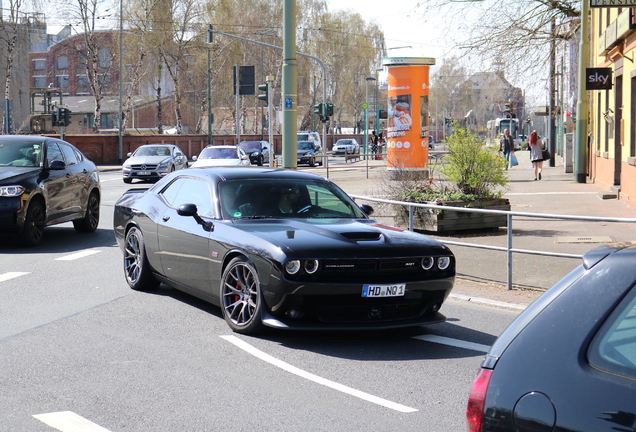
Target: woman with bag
{"type": "Point", "coordinates": [536, 154]}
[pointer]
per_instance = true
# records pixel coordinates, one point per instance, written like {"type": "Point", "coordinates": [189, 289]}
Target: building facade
{"type": "Point", "coordinates": [612, 120]}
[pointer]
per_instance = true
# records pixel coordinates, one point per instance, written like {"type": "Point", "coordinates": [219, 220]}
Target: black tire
{"type": "Point", "coordinates": [136, 266]}
{"type": "Point", "coordinates": [128, 180]}
{"type": "Point", "coordinates": [240, 296]}
{"type": "Point", "coordinates": [259, 161]}
{"type": "Point", "coordinates": [33, 230]}
{"type": "Point", "coordinates": [90, 221]}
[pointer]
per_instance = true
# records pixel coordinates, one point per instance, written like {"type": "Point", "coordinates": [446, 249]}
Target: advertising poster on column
{"type": "Point", "coordinates": [407, 130]}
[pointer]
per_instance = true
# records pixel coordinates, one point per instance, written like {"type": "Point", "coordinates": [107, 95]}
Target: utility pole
{"type": "Point", "coordinates": [290, 86]}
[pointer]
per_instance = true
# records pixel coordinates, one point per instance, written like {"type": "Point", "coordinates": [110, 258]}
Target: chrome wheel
{"type": "Point", "coordinates": [240, 297]}
{"type": "Point", "coordinates": [136, 266]}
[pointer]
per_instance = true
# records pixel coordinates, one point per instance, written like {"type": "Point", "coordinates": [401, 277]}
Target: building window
{"type": "Point", "coordinates": [82, 81]}
{"type": "Point", "coordinates": [104, 57]}
{"type": "Point", "coordinates": [62, 62]}
{"type": "Point", "coordinates": [103, 80]}
{"type": "Point", "coordinates": [632, 146]}
{"type": "Point", "coordinates": [39, 81]}
{"type": "Point", "coordinates": [39, 64]}
{"type": "Point", "coordinates": [61, 81]}
{"type": "Point", "coordinates": [82, 60]}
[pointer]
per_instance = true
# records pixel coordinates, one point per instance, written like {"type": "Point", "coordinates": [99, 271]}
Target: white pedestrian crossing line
{"type": "Point", "coordinates": [11, 275]}
{"type": "Point", "coordinates": [67, 421]}
{"type": "Point", "coordinates": [78, 255]}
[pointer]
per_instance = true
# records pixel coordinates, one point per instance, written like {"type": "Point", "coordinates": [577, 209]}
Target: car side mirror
{"type": "Point", "coordinates": [191, 210]}
{"type": "Point", "coordinates": [195, 157]}
{"type": "Point", "coordinates": [367, 209]}
{"type": "Point", "coordinates": [57, 165]}
{"type": "Point", "coordinates": [129, 154]}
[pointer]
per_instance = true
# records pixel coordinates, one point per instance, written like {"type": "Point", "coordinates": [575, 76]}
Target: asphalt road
{"type": "Point", "coordinates": [78, 347]}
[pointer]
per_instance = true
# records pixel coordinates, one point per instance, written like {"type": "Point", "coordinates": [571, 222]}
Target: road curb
{"type": "Point", "coordinates": [487, 302]}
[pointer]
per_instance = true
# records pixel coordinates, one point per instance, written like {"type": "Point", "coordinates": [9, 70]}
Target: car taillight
{"type": "Point", "coordinates": [477, 400]}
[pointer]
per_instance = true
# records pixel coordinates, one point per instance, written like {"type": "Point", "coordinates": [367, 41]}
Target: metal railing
{"type": "Point", "coordinates": [509, 219]}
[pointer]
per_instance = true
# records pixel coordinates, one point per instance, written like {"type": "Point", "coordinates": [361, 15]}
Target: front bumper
{"type": "Point", "coordinates": [11, 216]}
{"type": "Point", "coordinates": [147, 174]}
{"type": "Point", "coordinates": [341, 306]}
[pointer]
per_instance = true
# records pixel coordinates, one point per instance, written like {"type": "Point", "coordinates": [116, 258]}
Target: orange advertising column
{"type": "Point", "coordinates": [407, 130]}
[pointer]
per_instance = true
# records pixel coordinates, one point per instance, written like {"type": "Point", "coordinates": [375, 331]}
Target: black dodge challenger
{"type": "Point", "coordinates": [282, 249]}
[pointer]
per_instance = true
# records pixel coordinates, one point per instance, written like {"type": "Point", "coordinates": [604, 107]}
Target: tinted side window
{"type": "Point", "coordinates": [53, 153]}
{"type": "Point", "coordinates": [614, 347]}
{"type": "Point", "coordinates": [197, 192]}
{"type": "Point", "coordinates": [69, 154]}
{"type": "Point", "coordinates": [171, 192]}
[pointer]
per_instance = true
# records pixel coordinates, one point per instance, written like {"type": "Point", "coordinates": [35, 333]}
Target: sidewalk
{"type": "Point", "coordinates": [482, 273]}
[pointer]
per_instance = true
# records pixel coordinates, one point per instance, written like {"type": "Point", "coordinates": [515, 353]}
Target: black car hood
{"type": "Point", "coordinates": [304, 152]}
{"type": "Point", "coordinates": [363, 237]}
{"type": "Point", "coordinates": [12, 175]}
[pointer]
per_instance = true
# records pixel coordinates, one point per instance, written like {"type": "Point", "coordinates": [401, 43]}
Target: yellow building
{"type": "Point", "coordinates": [612, 127]}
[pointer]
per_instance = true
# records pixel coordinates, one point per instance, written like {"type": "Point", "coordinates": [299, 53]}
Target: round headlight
{"type": "Point", "coordinates": [311, 266]}
{"type": "Point", "coordinates": [443, 262]}
{"type": "Point", "coordinates": [292, 267]}
{"type": "Point", "coordinates": [427, 263]}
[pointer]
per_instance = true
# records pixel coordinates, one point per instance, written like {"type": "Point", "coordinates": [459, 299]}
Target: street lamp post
{"type": "Point", "coordinates": [366, 126]}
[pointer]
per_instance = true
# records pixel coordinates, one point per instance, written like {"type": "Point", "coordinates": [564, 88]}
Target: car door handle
{"type": "Point", "coordinates": [165, 218]}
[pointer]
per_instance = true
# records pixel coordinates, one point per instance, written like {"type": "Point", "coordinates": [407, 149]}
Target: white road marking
{"type": "Point", "coordinates": [315, 378]}
{"type": "Point", "coordinates": [67, 421]}
{"type": "Point", "coordinates": [78, 255]}
{"type": "Point", "coordinates": [454, 342]}
{"type": "Point", "coordinates": [11, 275]}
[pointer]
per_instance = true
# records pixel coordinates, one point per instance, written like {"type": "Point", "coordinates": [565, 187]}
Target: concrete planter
{"type": "Point", "coordinates": [438, 221]}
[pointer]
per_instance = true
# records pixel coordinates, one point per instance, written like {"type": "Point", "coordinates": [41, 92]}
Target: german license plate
{"type": "Point", "coordinates": [395, 290]}
{"type": "Point", "coordinates": [143, 172]}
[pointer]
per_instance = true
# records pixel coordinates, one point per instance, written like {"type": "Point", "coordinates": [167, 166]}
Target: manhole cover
{"type": "Point", "coordinates": [584, 239]}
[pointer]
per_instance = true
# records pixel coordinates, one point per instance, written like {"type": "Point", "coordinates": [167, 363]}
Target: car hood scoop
{"type": "Point", "coordinates": [362, 235]}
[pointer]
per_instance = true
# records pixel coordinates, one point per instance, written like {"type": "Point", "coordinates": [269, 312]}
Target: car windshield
{"type": "Point", "coordinates": [284, 198]}
{"type": "Point", "coordinates": [25, 154]}
{"type": "Point", "coordinates": [219, 153]}
{"type": "Point", "coordinates": [250, 145]}
{"type": "Point", "coordinates": [305, 145]}
{"type": "Point", "coordinates": [152, 151]}
{"type": "Point", "coordinates": [345, 142]}
{"type": "Point", "coordinates": [303, 137]}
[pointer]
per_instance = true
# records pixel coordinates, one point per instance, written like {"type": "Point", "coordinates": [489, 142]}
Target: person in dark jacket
{"type": "Point", "coordinates": [506, 146]}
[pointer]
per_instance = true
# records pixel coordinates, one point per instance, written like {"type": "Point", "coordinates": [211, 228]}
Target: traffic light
{"type": "Point", "coordinates": [509, 109]}
{"type": "Point", "coordinates": [328, 110]}
{"type": "Point", "coordinates": [318, 109]}
{"type": "Point", "coordinates": [63, 117]}
{"type": "Point", "coordinates": [264, 96]}
{"type": "Point", "coordinates": [54, 121]}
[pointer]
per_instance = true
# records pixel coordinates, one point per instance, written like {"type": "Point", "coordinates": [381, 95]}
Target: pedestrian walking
{"type": "Point", "coordinates": [536, 154]}
{"type": "Point", "coordinates": [374, 143]}
{"type": "Point", "coordinates": [506, 146]}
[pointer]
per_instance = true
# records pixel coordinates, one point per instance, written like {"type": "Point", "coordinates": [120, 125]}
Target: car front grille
{"type": "Point", "coordinates": [144, 167]}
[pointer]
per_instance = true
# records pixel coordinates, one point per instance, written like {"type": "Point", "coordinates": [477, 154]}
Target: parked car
{"type": "Point", "coordinates": [45, 181]}
{"type": "Point", "coordinates": [309, 153]}
{"type": "Point", "coordinates": [222, 155]}
{"type": "Point", "coordinates": [280, 248]}
{"type": "Point", "coordinates": [258, 151]}
{"type": "Point", "coordinates": [153, 161]}
{"type": "Point", "coordinates": [568, 362]}
{"type": "Point", "coordinates": [346, 146]}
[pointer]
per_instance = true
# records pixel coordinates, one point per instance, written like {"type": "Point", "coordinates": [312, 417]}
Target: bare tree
{"type": "Point", "coordinates": [12, 28]}
{"type": "Point", "coordinates": [514, 34]}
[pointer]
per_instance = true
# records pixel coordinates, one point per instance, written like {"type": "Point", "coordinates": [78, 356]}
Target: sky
{"type": "Point", "coordinates": [403, 26]}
